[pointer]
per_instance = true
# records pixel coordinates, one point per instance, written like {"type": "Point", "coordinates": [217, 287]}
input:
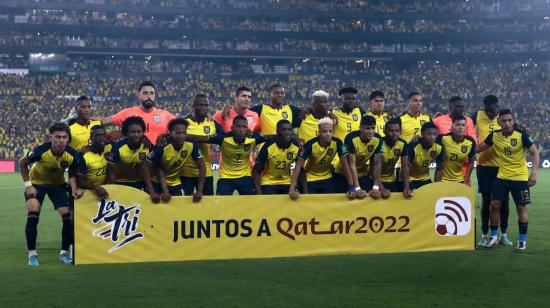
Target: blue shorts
{"type": "Point", "coordinates": [190, 184]}
{"type": "Point", "coordinates": [176, 190]}
{"type": "Point", "coordinates": [60, 195]}
{"type": "Point", "coordinates": [486, 176]}
{"type": "Point", "coordinates": [419, 183]}
{"type": "Point", "coordinates": [275, 189]}
{"type": "Point", "coordinates": [395, 186]}
{"type": "Point", "coordinates": [243, 185]}
{"type": "Point", "coordinates": [519, 190]}
{"type": "Point", "coordinates": [321, 187]}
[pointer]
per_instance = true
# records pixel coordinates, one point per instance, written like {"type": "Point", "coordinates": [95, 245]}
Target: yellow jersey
{"type": "Point", "coordinates": [277, 162]}
{"type": "Point", "coordinates": [392, 154]}
{"type": "Point", "coordinates": [511, 152]}
{"type": "Point", "coordinates": [319, 158]}
{"type": "Point", "coordinates": [127, 161]}
{"type": "Point", "coordinates": [456, 153]}
{"type": "Point", "coordinates": [172, 161]}
{"type": "Point", "coordinates": [485, 126]}
{"type": "Point", "coordinates": [421, 158]}
{"type": "Point", "coordinates": [309, 128]}
{"type": "Point", "coordinates": [234, 162]}
{"type": "Point", "coordinates": [269, 117]}
{"type": "Point", "coordinates": [94, 166]}
{"type": "Point", "coordinates": [381, 120]}
{"type": "Point", "coordinates": [410, 126]}
{"type": "Point", "coordinates": [204, 128]}
{"type": "Point", "coordinates": [80, 134]}
{"type": "Point", "coordinates": [49, 169]}
{"type": "Point", "coordinates": [347, 122]}
{"type": "Point", "coordinates": [363, 152]}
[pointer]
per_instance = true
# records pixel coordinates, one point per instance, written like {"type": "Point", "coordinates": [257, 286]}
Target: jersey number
{"type": "Point", "coordinates": [426, 163]}
{"type": "Point", "coordinates": [349, 127]}
{"type": "Point", "coordinates": [101, 171]}
{"type": "Point", "coordinates": [507, 151]}
{"type": "Point", "coordinates": [280, 164]}
{"type": "Point", "coordinates": [454, 157]}
{"type": "Point", "coordinates": [238, 158]}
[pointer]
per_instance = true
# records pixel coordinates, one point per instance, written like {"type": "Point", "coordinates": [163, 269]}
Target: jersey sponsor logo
{"type": "Point", "coordinates": [284, 114]}
{"type": "Point", "coordinates": [142, 155]}
{"type": "Point", "coordinates": [464, 148]}
{"type": "Point", "coordinates": [396, 152]}
{"type": "Point", "coordinates": [206, 129]}
{"type": "Point", "coordinates": [370, 147]}
{"type": "Point", "coordinates": [289, 155]}
{"type": "Point", "coordinates": [513, 141]}
{"type": "Point", "coordinates": [156, 118]}
{"type": "Point", "coordinates": [432, 154]}
{"type": "Point", "coordinates": [355, 117]}
{"type": "Point", "coordinates": [330, 151]}
{"type": "Point", "coordinates": [183, 154]}
{"type": "Point", "coordinates": [246, 147]}
{"type": "Point", "coordinates": [64, 164]}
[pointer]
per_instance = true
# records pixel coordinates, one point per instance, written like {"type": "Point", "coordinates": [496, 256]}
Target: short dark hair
{"type": "Point", "coordinates": [96, 128]}
{"type": "Point", "coordinates": [375, 94]}
{"type": "Point", "coordinates": [459, 118]}
{"type": "Point", "coordinates": [392, 122]}
{"type": "Point", "coordinates": [240, 117]}
{"type": "Point", "coordinates": [274, 86]}
{"type": "Point", "coordinates": [427, 126]}
{"type": "Point", "coordinates": [199, 96]}
{"type": "Point", "coordinates": [411, 94]}
{"type": "Point", "coordinates": [347, 90]}
{"type": "Point", "coordinates": [455, 99]}
{"type": "Point", "coordinates": [504, 112]}
{"type": "Point", "coordinates": [242, 89]}
{"type": "Point", "coordinates": [146, 84]}
{"type": "Point", "coordinates": [283, 121]}
{"type": "Point", "coordinates": [80, 99]}
{"type": "Point", "coordinates": [132, 121]}
{"type": "Point", "coordinates": [59, 127]}
{"type": "Point", "coordinates": [490, 100]}
{"type": "Point", "coordinates": [177, 121]}
{"type": "Point", "coordinates": [367, 121]}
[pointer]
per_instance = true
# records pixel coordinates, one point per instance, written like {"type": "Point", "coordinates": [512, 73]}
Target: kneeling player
{"type": "Point", "coordinates": [128, 154]}
{"type": "Point", "coordinates": [422, 153]}
{"type": "Point", "coordinates": [365, 149]}
{"type": "Point", "coordinates": [459, 149]}
{"type": "Point", "coordinates": [317, 156]}
{"type": "Point", "coordinates": [168, 162]}
{"type": "Point", "coordinates": [395, 149]}
{"type": "Point", "coordinates": [47, 177]}
{"type": "Point", "coordinates": [271, 172]}
{"type": "Point", "coordinates": [510, 145]}
{"type": "Point", "coordinates": [93, 164]}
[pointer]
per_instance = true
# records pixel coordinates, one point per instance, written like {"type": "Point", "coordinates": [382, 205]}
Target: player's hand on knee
{"type": "Point", "coordinates": [197, 196]}
{"type": "Point", "coordinates": [165, 196]}
{"type": "Point", "coordinates": [155, 198]}
{"type": "Point", "coordinates": [31, 192]}
{"type": "Point", "coordinates": [384, 193]}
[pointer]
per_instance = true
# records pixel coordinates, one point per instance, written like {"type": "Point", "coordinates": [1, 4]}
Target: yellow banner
{"type": "Point", "coordinates": [129, 228]}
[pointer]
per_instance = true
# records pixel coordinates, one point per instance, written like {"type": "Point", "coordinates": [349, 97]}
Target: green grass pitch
{"type": "Point", "coordinates": [500, 277]}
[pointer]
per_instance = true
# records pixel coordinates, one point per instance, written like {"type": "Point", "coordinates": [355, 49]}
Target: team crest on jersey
{"type": "Point", "coordinates": [464, 149]}
{"type": "Point", "coordinates": [396, 152]}
{"type": "Point", "coordinates": [64, 164]}
{"type": "Point", "coordinates": [355, 117]}
{"type": "Point", "coordinates": [289, 155]}
{"type": "Point", "coordinates": [370, 147]}
{"type": "Point", "coordinates": [330, 151]}
{"type": "Point", "coordinates": [513, 141]}
{"type": "Point", "coordinates": [206, 129]}
{"type": "Point", "coordinates": [246, 147]}
{"type": "Point", "coordinates": [432, 154]}
{"type": "Point", "coordinates": [183, 154]}
{"type": "Point", "coordinates": [284, 114]}
{"type": "Point", "coordinates": [156, 118]}
{"type": "Point", "coordinates": [142, 156]}
{"type": "Point", "coordinates": [249, 120]}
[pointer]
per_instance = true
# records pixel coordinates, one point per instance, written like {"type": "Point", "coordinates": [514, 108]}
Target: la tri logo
{"type": "Point", "coordinates": [118, 223]}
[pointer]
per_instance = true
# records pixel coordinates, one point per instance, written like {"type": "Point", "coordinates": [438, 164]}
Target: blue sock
{"type": "Point", "coordinates": [522, 237]}
{"type": "Point", "coordinates": [494, 230]}
{"type": "Point", "coordinates": [522, 230]}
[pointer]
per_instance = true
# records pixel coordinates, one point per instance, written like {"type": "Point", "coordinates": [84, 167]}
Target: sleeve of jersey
{"type": "Point", "coordinates": [75, 165]}
{"type": "Point", "coordinates": [405, 151]}
{"type": "Point", "coordinates": [82, 169]}
{"type": "Point", "coordinates": [489, 140]}
{"type": "Point", "coordinates": [296, 121]}
{"type": "Point", "coordinates": [410, 151]}
{"type": "Point", "coordinates": [262, 156]}
{"type": "Point", "coordinates": [380, 147]}
{"type": "Point", "coordinates": [257, 109]}
{"type": "Point", "coordinates": [441, 157]}
{"type": "Point", "coordinates": [259, 138]}
{"type": "Point", "coordinates": [439, 140]}
{"type": "Point", "coordinates": [526, 140]}
{"type": "Point", "coordinates": [36, 154]}
{"type": "Point", "coordinates": [217, 138]}
{"type": "Point", "coordinates": [341, 148]}
{"type": "Point", "coordinates": [474, 118]}
{"type": "Point", "coordinates": [218, 128]}
{"type": "Point", "coordinates": [196, 152]}
{"type": "Point", "coordinates": [306, 151]}
{"type": "Point", "coordinates": [349, 143]}
{"type": "Point", "coordinates": [119, 117]}
{"type": "Point", "coordinates": [472, 150]}
{"type": "Point", "coordinates": [113, 157]}
{"type": "Point", "coordinates": [155, 156]}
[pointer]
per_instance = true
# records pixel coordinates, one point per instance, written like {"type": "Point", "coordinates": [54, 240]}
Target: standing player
{"type": "Point", "coordinates": [317, 156]}
{"type": "Point", "coordinates": [486, 121]}
{"type": "Point", "coordinates": [168, 162]}
{"type": "Point", "coordinates": [377, 103]}
{"type": "Point", "coordinates": [243, 96]}
{"type": "Point", "coordinates": [444, 123]}
{"type": "Point", "coordinates": [510, 145]}
{"type": "Point", "coordinates": [411, 121]}
{"type": "Point", "coordinates": [459, 149]}
{"type": "Point", "coordinates": [395, 149]}
{"type": "Point", "coordinates": [271, 114]}
{"type": "Point", "coordinates": [47, 177]}
{"type": "Point", "coordinates": [128, 154]}
{"type": "Point", "coordinates": [349, 115]}
{"type": "Point", "coordinates": [200, 125]}
{"type": "Point", "coordinates": [363, 146]}
{"type": "Point", "coordinates": [422, 153]}
{"type": "Point", "coordinates": [93, 164]}
{"type": "Point", "coordinates": [156, 120]}
{"type": "Point", "coordinates": [309, 127]}
{"type": "Point", "coordinates": [272, 171]}
{"type": "Point", "coordinates": [81, 125]}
